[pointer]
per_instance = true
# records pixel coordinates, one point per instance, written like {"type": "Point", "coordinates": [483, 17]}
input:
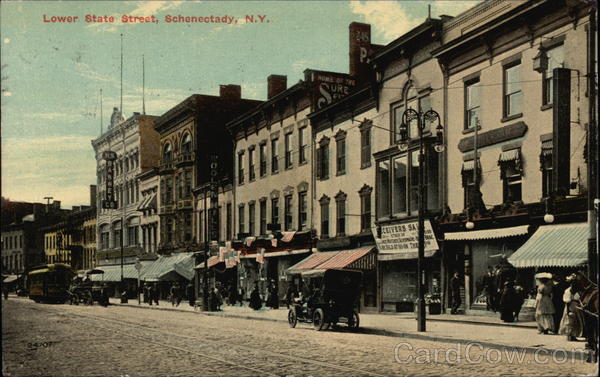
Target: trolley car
{"type": "Point", "coordinates": [50, 282]}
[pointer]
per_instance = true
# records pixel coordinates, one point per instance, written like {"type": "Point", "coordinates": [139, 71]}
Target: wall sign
{"type": "Point", "coordinates": [401, 241]}
{"type": "Point", "coordinates": [109, 202]}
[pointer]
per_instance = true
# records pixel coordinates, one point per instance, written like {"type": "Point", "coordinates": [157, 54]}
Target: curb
{"type": "Point", "coordinates": [567, 354]}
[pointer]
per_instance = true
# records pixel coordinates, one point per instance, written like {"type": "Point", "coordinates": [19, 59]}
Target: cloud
{"type": "Point", "coordinates": [149, 8]}
{"type": "Point", "coordinates": [6, 93]}
{"type": "Point", "coordinates": [389, 19]}
{"type": "Point", "coordinates": [451, 7]}
{"type": "Point", "coordinates": [54, 116]}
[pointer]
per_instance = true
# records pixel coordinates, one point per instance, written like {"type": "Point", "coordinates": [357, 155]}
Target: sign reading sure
{"type": "Point", "coordinates": [404, 239]}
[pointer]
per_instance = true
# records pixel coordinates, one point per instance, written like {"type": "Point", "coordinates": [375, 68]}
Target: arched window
{"type": "Point", "coordinates": [186, 144]}
{"type": "Point", "coordinates": [167, 153]}
{"type": "Point", "coordinates": [411, 99]}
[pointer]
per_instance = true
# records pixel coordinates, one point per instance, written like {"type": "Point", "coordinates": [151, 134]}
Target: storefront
{"type": "Point", "coordinates": [397, 258]}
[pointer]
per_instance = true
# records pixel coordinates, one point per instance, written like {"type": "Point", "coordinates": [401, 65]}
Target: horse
{"type": "Point", "coordinates": [588, 296]}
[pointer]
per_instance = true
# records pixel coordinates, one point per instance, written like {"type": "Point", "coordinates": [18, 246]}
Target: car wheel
{"type": "Point", "coordinates": [319, 319]}
{"type": "Point", "coordinates": [354, 322]}
{"type": "Point", "coordinates": [292, 318]}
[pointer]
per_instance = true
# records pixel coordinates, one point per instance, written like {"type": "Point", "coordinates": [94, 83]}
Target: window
{"type": "Point", "coordinates": [468, 181]}
{"type": "Point", "coordinates": [555, 60]}
{"type": "Point", "coordinates": [179, 186]}
{"type": "Point", "coordinates": [251, 174]}
{"type": "Point", "coordinates": [186, 144]}
{"type": "Point", "coordinates": [240, 168]}
{"type": "Point", "coordinates": [472, 104]}
{"type": "Point", "coordinates": [398, 184]}
{"type": "Point", "coordinates": [340, 201]}
{"type": "Point", "coordinates": [510, 173]}
{"type": "Point", "coordinates": [188, 183]}
{"type": "Point", "coordinates": [187, 226]}
{"type": "Point", "coordinates": [340, 153]}
{"type": "Point", "coordinates": [324, 202]}
{"type": "Point", "coordinates": [288, 150]}
{"type": "Point", "coordinates": [167, 154]}
{"type": "Point", "coordinates": [412, 99]}
{"type": "Point", "coordinates": [365, 208]}
{"type": "Point", "coordinates": [323, 159]}
{"type": "Point", "coordinates": [274, 157]}
{"type": "Point", "coordinates": [263, 216]}
{"type": "Point", "coordinates": [287, 208]}
{"type": "Point", "coordinates": [274, 210]}
{"type": "Point", "coordinates": [132, 235]}
{"type": "Point", "coordinates": [241, 219]}
{"type": "Point", "coordinates": [251, 217]}
{"type": "Point", "coordinates": [302, 145]}
{"type": "Point", "coordinates": [262, 149]}
{"type": "Point", "coordinates": [229, 221]}
{"type": "Point", "coordinates": [169, 190]}
{"type": "Point", "coordinates": [302, 211]}
{"type": "Point", "coordinates": [365, 144]}
{"type": "Point", "coordinates": [546, 168]}
{"type": "Point", "coordinates": [512, 89]}
{"type": "Point", "coordinates": [383, 182]}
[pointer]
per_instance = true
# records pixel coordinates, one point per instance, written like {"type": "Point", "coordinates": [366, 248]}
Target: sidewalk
{"type": "Point", "coordinates": [462, 329]}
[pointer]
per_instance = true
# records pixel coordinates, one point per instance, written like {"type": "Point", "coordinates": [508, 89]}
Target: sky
{"type": "Point", "coordinates": [52, 72]}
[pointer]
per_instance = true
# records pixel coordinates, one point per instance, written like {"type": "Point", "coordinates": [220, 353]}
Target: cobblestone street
{"type": "Point", "coordinates": [63, 340]}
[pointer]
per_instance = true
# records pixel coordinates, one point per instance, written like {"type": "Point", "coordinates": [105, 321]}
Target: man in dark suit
{"type": "Point", "coordinates": [455, 291]}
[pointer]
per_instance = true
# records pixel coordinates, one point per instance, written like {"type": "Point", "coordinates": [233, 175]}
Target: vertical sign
{"type": "Point", "coordinates": [214, 196]}
{"type": "Point", "coordinates": [109, 202]}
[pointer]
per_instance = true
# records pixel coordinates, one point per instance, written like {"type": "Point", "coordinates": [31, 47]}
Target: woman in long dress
{"type": "Point", "coordinates": [544, 309]}
{"type": "Point", "coordinates": [571, 323]}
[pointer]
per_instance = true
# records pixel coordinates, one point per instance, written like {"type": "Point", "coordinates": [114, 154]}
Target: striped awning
{"type": "Point", "coordinates": [487, 234]}
{"type": "Point", "coordinates": [561, 245]}
{"type": "Point", "coordinates": [469, 165]}
{"type": "Point", "coordinates": [166, 265]}
{"type": "Point", "coordinates": [329, 260]}
{"type": "Point", "coordinates": [547, 148]}
{"type": "Point", "coordinates": [113, 273]}
{"type": "Point", "coordinates": [510, 155]}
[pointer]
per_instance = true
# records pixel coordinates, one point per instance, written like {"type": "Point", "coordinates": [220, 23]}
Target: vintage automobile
{"type": "Point", "coordinates": [84, 291]}
{"type": "Point", "coordinates": [331, 297]}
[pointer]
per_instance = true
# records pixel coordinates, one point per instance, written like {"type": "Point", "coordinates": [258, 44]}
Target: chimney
{"type": "Point", "coordinates": [360, 47]}
{"type": "Point", "coordinates": [93, 195]}
{"type": "Point", "coordinates": [275, 85]}
{"type": "Point", "coordinates": [230, 91]}
{"type": "Point", "coordinates": [56, 204]}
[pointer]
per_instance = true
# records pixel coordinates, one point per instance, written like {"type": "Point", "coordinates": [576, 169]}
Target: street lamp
{"type": "Point", "coordinates": [422, 119]}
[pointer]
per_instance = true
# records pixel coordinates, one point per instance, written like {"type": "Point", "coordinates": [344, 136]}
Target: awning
{"type": "Point", "coordinates": [469, 165]}
{"type": "Point", "coordinates": [329, 260]}
{"type": "Point", "coordinates": [281, 253]}
{"type": "Point", "coordinates": [510, 155]}
{"type": "Point", "coordinates": [166, 267]}
{"type": "Point", "coordinates": [113, 273]}
{"type": "Point", "coordinates": [547, 148]}
{"type": "Point", "coordinates": [211, 262]}
{"type": "Point", "coordinates": [487, 234]}
{"type": "Point", "coordinates": [147, 202]}
{"type": "Point", "coordinates": [562, 245]}
{"type": "Point", "coordinates": [10, 279]}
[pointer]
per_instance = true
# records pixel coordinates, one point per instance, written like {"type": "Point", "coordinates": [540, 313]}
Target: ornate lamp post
{"type": "Point", "coordinates": [422, 119]}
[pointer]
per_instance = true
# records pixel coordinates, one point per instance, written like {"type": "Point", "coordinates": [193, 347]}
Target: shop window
{"type": "Point", "coordinates": [340, 202]}
{"type": "Point", "coordinates": [512, 89]}
{"type": "Point", "coordinates": [472, 103]}
{"type": "Point", "coordinates": [324, 203]}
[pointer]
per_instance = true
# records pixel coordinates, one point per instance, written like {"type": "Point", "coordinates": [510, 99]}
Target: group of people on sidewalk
{"type": "Point", "coordinates": [557, 307]}
{"type": "Point", "coordinates": [271, 301]}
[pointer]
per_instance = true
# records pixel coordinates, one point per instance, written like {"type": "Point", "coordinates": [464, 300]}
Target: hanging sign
{"type": "Point", "coordinates": [402, 240]}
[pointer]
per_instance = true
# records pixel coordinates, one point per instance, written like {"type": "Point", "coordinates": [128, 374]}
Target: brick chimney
{"type": "Point", "coordinates": [230, 91]}
{"type": "Point", "coordinates": [56, 204]}
{"type": "Point", "coordinates": [360, 47]}
{"type": "Point", "coordinates": [93, 192]}
{"type": "Point", "coordinates": [275, 85]}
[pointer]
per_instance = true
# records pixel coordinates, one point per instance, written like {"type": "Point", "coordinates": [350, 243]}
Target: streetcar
{"type": "Point", "coordinates": [50, 282]}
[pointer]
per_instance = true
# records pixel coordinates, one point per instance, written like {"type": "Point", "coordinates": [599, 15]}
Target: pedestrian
{"type": "Point", "coordinates": [507, 302]}
{"type": "Point", "coordinates": [5, 291]}
{"type": "Point", "coordinates": [520, 300]}
{"type": "Point", "coordinates": [273, 300]}
{"type": "Point", "coordinates": [155, 293]}
{"type": "Point", "coordinates": [189, 291]}
{"type": "Point", "coordinates": [455, 291]}
{"type": "Point", "coordinates": [177, 294]}
{"type": "Point", "coordinates": [241, 295]}
{"type": "Point", "coordinates": [544, 309]}
{"type": "Point", "coordinates": [232, 295]}
{"type": "Point", "coordinates": [558, 289]}
{"type": "Point", "coordinates": [489, 285]}
{"type": "Point", "coordinates": [218, 299]}
{"type": "Point", "coordinates": [150, 294]}
{"type": "Point", "coordinates": [572, 320]}
{"type": "Point", "coordinates": [290, 294]}
{"type": "Point", "coordinates": [255, 300]}
{"type": "Point", "coordinates": [173, 294]}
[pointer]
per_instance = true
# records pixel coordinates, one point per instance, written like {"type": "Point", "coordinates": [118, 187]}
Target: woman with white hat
{"type": "Point", "coordinates": [544, 309]}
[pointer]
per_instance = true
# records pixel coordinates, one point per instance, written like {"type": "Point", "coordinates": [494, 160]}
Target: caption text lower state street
{"type": "Point", "coordinates": [169, 18]}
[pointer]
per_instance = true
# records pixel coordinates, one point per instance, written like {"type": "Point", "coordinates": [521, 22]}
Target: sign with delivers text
{"type": "Point", "coordinates": [402, 240]}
